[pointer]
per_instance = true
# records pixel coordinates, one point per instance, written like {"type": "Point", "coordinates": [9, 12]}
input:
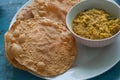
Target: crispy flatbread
{"type": "Point", "coordinates": [55, 10]}
{"type": "Point", "coordinates": [41, 45]}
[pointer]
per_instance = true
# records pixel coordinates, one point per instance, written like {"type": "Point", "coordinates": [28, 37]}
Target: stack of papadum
{"type": "Point", "coordinates": [38, 41]}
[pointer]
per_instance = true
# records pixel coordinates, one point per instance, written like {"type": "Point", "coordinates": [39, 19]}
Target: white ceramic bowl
{"type": "Point", "coordinates": [107, 5]}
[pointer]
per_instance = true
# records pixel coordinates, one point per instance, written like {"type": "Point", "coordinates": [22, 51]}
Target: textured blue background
{"type": "Point", "coordinates": [7, 10]}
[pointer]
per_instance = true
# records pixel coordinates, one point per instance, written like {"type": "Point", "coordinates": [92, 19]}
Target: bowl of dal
{"type": "Point", "coordinates": [94, 23]}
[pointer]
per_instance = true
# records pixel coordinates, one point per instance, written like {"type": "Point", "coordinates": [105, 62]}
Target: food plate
{"type": "Point", "coordinates": [90, 62]}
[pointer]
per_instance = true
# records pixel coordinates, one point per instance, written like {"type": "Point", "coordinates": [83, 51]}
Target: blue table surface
{"type": "Point", "coordinates": [7, 72]}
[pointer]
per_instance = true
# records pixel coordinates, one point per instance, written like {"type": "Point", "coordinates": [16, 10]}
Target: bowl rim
{"type": "Point", "coordinates": [87, 39]}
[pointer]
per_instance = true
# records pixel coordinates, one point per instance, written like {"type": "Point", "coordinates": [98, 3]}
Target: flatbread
{"type": "Point", "coordinates": [41, 45]}
{"type": "Point", "coordinates": [55, 10]}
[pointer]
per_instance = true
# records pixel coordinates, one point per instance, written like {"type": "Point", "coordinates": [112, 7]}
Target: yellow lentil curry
{"type": "Point", "coordinates": [95, 24]}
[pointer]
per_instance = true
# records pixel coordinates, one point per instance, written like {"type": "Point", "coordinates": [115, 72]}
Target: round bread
{"type": "Point", "coordinates": [44, 47]}
{"type": "Point", "coordinates": [55, 10]}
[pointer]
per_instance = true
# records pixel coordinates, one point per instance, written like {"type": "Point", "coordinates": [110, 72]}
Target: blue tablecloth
{"type": "Point", "coordinates": [7, 72]}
